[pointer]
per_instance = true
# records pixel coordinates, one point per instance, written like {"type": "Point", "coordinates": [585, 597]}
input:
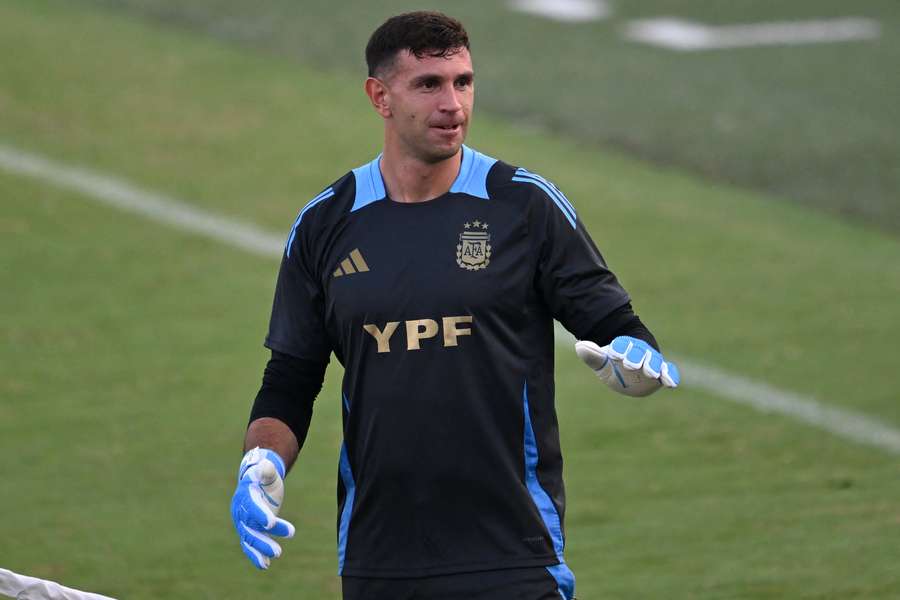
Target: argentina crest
{"type": "Point", "coordinates": [474, 249]}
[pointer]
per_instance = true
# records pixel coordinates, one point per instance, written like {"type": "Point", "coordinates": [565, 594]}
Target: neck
{"type": "Point", "coordinates": [409, 179]}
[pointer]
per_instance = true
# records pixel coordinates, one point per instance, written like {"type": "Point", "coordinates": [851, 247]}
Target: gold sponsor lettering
{"type": "Point", "coordinates": [419, 329]}
{"type": "Point", "coordinates": [451, 332]}
{"type": "Point", "coordinates": [383, 337]}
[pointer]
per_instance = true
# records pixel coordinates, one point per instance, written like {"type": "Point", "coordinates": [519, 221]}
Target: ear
{"type": "Point", "coordinates": [379, 95]}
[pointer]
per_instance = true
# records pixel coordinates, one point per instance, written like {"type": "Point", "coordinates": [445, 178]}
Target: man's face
{"type": "Point", "coordinates": [429, 103]}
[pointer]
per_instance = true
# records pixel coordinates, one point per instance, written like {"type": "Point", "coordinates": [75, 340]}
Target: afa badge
{"type": "Point", "coordinates": [474, 249]}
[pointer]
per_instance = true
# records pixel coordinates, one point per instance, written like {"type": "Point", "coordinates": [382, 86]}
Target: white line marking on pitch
{"type": "Point", "coordinates": [124, 195]}
{"type": "Point", "coordinates": [568, 11]}
{"type": "Point", "coordinates": [768, 399]}
{"type": "Point", "coordinates": [690, 36]}
{"type": "Point", "coordinates": [165, 209]}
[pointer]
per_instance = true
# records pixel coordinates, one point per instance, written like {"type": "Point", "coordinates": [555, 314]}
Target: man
{"type": "Point", "coordinates": [433, 274]}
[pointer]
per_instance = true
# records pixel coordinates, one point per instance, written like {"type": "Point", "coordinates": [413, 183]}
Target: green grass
{"type": "Point", "coordinates": [814, 124]}
{"type": "Point", "coordinates": [132, 355]}
{"type": "Point", "coordinates": [131, 352]}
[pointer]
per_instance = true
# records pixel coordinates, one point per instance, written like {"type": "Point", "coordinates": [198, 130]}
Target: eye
{"type": "Point", "coordinates": [463, 82]}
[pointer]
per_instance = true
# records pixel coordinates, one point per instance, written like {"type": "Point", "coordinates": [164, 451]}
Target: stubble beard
{"type": "Point", "coordinates": [437, 155]}
{"type": "Point", "coordinates": [432, 153]}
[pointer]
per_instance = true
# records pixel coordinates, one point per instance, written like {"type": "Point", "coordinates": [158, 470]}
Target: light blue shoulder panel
{"type": "Point", "coordinates": [525, 176]}
{"type": "Point", "coordinates": [325, 195]}
{"type": "Point", "coordinates": [369, 184]}
{"type": "Point", "coordinates": [473, 172]}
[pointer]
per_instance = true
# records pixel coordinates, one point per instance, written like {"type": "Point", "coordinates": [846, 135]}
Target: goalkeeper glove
{"type": "Point", "coordinates": [629, 366]}
{"type": "Point", "coordinates": [255, 505]}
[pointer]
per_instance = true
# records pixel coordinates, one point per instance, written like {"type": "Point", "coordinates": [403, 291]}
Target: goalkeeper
{"type": "Point", "coordinates": [434, 274]}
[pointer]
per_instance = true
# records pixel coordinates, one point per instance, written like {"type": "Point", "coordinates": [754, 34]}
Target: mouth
{"type": "Point", "coordinates": [451, 128]}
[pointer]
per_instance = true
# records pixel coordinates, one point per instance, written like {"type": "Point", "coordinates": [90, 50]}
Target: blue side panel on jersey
{"type": "Point", "coordinates": [562, 203]}
{"type": "Point", "coordinates": [565, 579]}
{"type": "Point", "coordinates": [369, 184]}
{"type": "Point", "coordinates": [473, 172]}
{"type": "Point", "coordinates": [328, 193]}
{"type": "Point", "coordinates": [350, 486]}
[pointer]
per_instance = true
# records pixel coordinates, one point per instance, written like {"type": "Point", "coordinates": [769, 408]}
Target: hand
{"type": "Point", "coordinates": [255, 505]}
{"type": "Point", "coordinates": [629, 366]}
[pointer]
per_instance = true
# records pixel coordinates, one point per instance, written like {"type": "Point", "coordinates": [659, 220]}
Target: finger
{"type": "Point", "coordinates": [259, 561]}
{"type": "Point", "coordinates": [635, 357]}
{"type": "Point", "coordinates": [237, 501]}
{"type": "Point", "coordinates": [245, 510]}
{"type": "Point", "coordinates": [282, 528]}
{"type": "Point", "coordinates": [260, 542]}
{"type": "Point", "coordinates": [593, 355]}
{"type": "Point", "coordinates": [253, 512]}
{"type": "Point", "coordinates": [653, 365]}
{"type": "Point", "coordinates": [669, 375]}
{"type": "Point", "coordinates": [617, 373]}
{"type": "Point", "coordinates": [258, 509]}
{"type": "Point", "coordinates": [267, 473]}
{"type": "Point", "coordinates": [619, 347]}
{"type": "Point", "coordinates": [261, 517]}
{"type": "Point", "coordinates": [270, 492]}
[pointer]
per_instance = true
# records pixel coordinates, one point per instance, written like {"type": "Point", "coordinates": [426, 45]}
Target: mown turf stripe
{"type": "Point", "coordinates": [121, 194]}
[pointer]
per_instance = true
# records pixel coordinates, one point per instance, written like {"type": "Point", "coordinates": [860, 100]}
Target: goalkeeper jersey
{"type": "Point", "coordinates": [441, 313]}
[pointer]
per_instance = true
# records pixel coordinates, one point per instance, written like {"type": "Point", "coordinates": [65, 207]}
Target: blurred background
{"type": "Point", "coordinates": [737, 162]}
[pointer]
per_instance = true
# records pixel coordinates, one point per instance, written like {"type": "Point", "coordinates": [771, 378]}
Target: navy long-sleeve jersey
{"type": "Point", "coordinates": [441, 313]}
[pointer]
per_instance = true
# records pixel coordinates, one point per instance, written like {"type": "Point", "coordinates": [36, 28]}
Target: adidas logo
{"type": "Point", "coordinates": [355, 263]}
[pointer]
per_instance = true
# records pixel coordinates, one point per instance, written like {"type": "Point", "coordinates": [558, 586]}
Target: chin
{"type": "Point", "coordinates": [435, 154]}
{"type": "Point", "coordinates": [444, 154]}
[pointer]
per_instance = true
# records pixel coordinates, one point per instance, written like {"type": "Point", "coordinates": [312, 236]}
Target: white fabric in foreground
{"type": "Point", "coordinates": [22, 587]}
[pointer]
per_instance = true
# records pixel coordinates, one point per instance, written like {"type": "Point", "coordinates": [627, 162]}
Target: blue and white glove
{"type": "Point", "coordinates": [629, 366]}
{"type": "Point", "coordinates": [255, 505]}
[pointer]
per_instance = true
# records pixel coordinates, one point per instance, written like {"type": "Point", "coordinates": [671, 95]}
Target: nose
{"type": "Point", "coordinates": [450, 101]}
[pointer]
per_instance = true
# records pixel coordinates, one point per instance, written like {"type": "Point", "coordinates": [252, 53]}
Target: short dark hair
{"type": "Point", "coordinates": [423, 33]}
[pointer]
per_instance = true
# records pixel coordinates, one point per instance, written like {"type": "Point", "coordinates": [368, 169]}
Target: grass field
{"type": "Point", "coordinates": [814, 124]}
{"type": "Point", "coordinates": [132, 352]}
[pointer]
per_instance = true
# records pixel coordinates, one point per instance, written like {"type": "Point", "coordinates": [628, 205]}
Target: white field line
{"type": "Point", "coordinates": [567, 11]}
{"type": "Point", "coordinates": [18, 586]}
{"type": "Point", "coordinates": [690, 36]}
{"type": "Point", "coordinates": [768, 399]}
{"type": "Point", "coordinates": [157, 207]}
